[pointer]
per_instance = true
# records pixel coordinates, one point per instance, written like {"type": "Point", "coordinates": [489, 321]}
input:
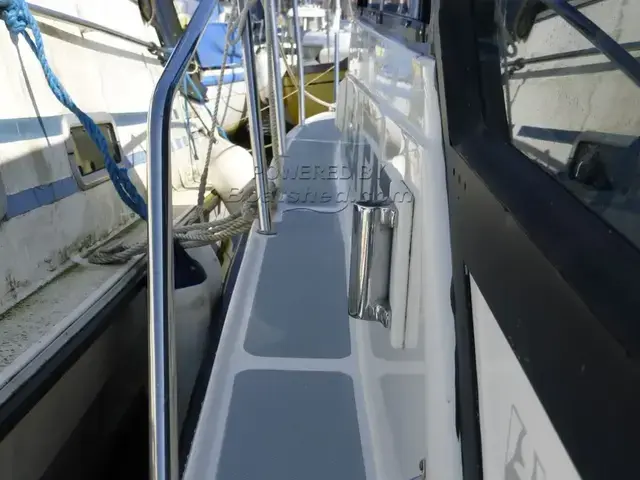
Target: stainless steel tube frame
{"type": "Point", "coordinates": [162, 363]}
{"type": "Point", "coordinates": [336, 65]}
{"type": "Point", "coordinates": [336, 53]}
{"type": "Point", "coordinates": [272, 31]}
{"type": "Point", "coordinates": [300, 64]}
{"type": "Point", "coordinates": [255, 128]}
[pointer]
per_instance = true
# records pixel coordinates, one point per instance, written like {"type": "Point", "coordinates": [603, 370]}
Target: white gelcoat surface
{"type": "Point", "coordinates": [509, 409]}
{"type": "Point", "coordinates": [404, 398]}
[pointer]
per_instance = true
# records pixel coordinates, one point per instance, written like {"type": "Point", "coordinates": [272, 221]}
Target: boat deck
{"type": "Point", "coordinates": [284, 399]}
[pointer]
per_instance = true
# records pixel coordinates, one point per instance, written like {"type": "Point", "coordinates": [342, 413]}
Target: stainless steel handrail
{"type": "Point", "coordinates": [255, 128]}
{"type": "Point", "coordinates": [336, 66]}
{"type": "Point", "coordinates": [300, 60]}
{"type": "Point", "coordinates": [79, 22]}
{"type": "Point", "coordinates": [271, 15]}
{"type": "Point", "coordinates": [337, 14]}
{"type": "Point", "coordinates": [162, 369]}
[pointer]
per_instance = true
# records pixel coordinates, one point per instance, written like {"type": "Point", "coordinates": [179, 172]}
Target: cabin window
{"type": "Point", "coordinates": [571, 109]}
{"type": "Point", "coordinates": [87, 163]}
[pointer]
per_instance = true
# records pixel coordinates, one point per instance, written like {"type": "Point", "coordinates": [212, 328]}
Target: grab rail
{"type": "Point", "coordinates": [300, 63]}
{"type": "Point", "coordinates": [162, 368]}
{"type": "Point", "coordinates": [70, 19]}
{"type": "Point", "coordinates": [271, 15]}
{"type": "Point", "coordinates": [255, 127]}
{"type": "Point", "coordinates": [337, 14]}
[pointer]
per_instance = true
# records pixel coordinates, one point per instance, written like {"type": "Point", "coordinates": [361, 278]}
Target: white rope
{"type": "Point", "coordinates": [190, 235]}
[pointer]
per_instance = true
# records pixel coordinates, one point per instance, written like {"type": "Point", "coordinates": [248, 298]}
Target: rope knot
{"type": "Point", "coordinates": [16, 16]}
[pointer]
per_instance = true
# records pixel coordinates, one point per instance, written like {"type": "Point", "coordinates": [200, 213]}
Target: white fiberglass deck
{"type": "Point", "coordinates": [299, 389]}
{"type": "Point", "coordinates": [284, 400]}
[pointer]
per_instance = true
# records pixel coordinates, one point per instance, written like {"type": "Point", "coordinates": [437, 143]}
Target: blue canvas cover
{"type": "Point", "coordinates": [211, 47]}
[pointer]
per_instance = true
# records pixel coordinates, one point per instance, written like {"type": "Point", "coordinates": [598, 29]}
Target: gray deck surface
{"type": "Point", "coordinates": [292, 425]}
{"type": "Point", "coordinates": [305, 315]}
{"type": "Point", "coordinates": [285, 407]}
{"type": "Point", "coordinates": [302, 311]}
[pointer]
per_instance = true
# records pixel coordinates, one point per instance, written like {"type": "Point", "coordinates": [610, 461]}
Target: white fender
{"type": "Point", "coordinates": [230, 171]}
{"type": "Point", "coordinates": [326, 54]}
{"type": "Point", "coordinates": [193, 306]}
{"type": "Point", "coordinates": [262, 73]}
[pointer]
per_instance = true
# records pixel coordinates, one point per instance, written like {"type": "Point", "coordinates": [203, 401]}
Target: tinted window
{"type": "Point", "coordinates": [572, 110]}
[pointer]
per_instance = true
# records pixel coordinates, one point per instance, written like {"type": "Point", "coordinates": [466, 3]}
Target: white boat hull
{"type": "Point", "coordinates": [51, 216]}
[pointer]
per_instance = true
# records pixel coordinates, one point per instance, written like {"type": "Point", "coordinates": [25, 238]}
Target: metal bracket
{"type": "Point", "coordinates": [379, 264]}
{"type": "Point", "coordinates": [423, 470]}
{"type": "Point", "coordinates": [373, 223]}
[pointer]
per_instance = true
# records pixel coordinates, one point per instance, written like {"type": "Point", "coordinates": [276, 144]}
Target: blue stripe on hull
{"type": "Point", "coordinates": [32, 198]}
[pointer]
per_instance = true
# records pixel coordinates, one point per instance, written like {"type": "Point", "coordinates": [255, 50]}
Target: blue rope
{"type": "Point", "coordinates": [18, 19]}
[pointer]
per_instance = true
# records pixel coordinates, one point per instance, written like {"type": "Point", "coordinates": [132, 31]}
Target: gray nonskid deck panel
{"type": "Point", "coordinates": [300, 306]}
{"type": "Point", "coordinates": [310, 178]}
{"type": "Point", "coordinates": [284, 403]}
{"type": "Point", "coordinates": [290, 426]}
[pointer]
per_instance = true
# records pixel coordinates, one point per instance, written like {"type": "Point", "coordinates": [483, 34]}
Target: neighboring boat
{"type": "Point", "coordinates": [231, 109]}
{"type": "Point", "coordinates": [319, 80]}
{"type": "Point", "coordinates": [317, 51]}
{"type": "Point", "coordinates": [73, 339]}
{"type": "Point", "coordinates": [318, 44]}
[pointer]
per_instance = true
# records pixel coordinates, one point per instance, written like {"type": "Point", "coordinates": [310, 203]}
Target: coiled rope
{"type": "Point", "coordinates": [190, 236]}
{"type": "Point", "coordinates": [19, 21]}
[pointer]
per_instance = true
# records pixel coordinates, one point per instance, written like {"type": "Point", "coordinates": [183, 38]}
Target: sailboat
{"type": "Point", "coordinates": [78, 79]}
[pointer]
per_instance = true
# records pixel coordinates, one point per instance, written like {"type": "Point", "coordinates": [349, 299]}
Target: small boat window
{"type": "Point", "coordinates": [87, 156]}
{"type": "Point", "coordinates": [398, 7]}
{"type": "Point", "coordinates": [87, 163]}
{"type": "Point", "coordinates": [570, 108]}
